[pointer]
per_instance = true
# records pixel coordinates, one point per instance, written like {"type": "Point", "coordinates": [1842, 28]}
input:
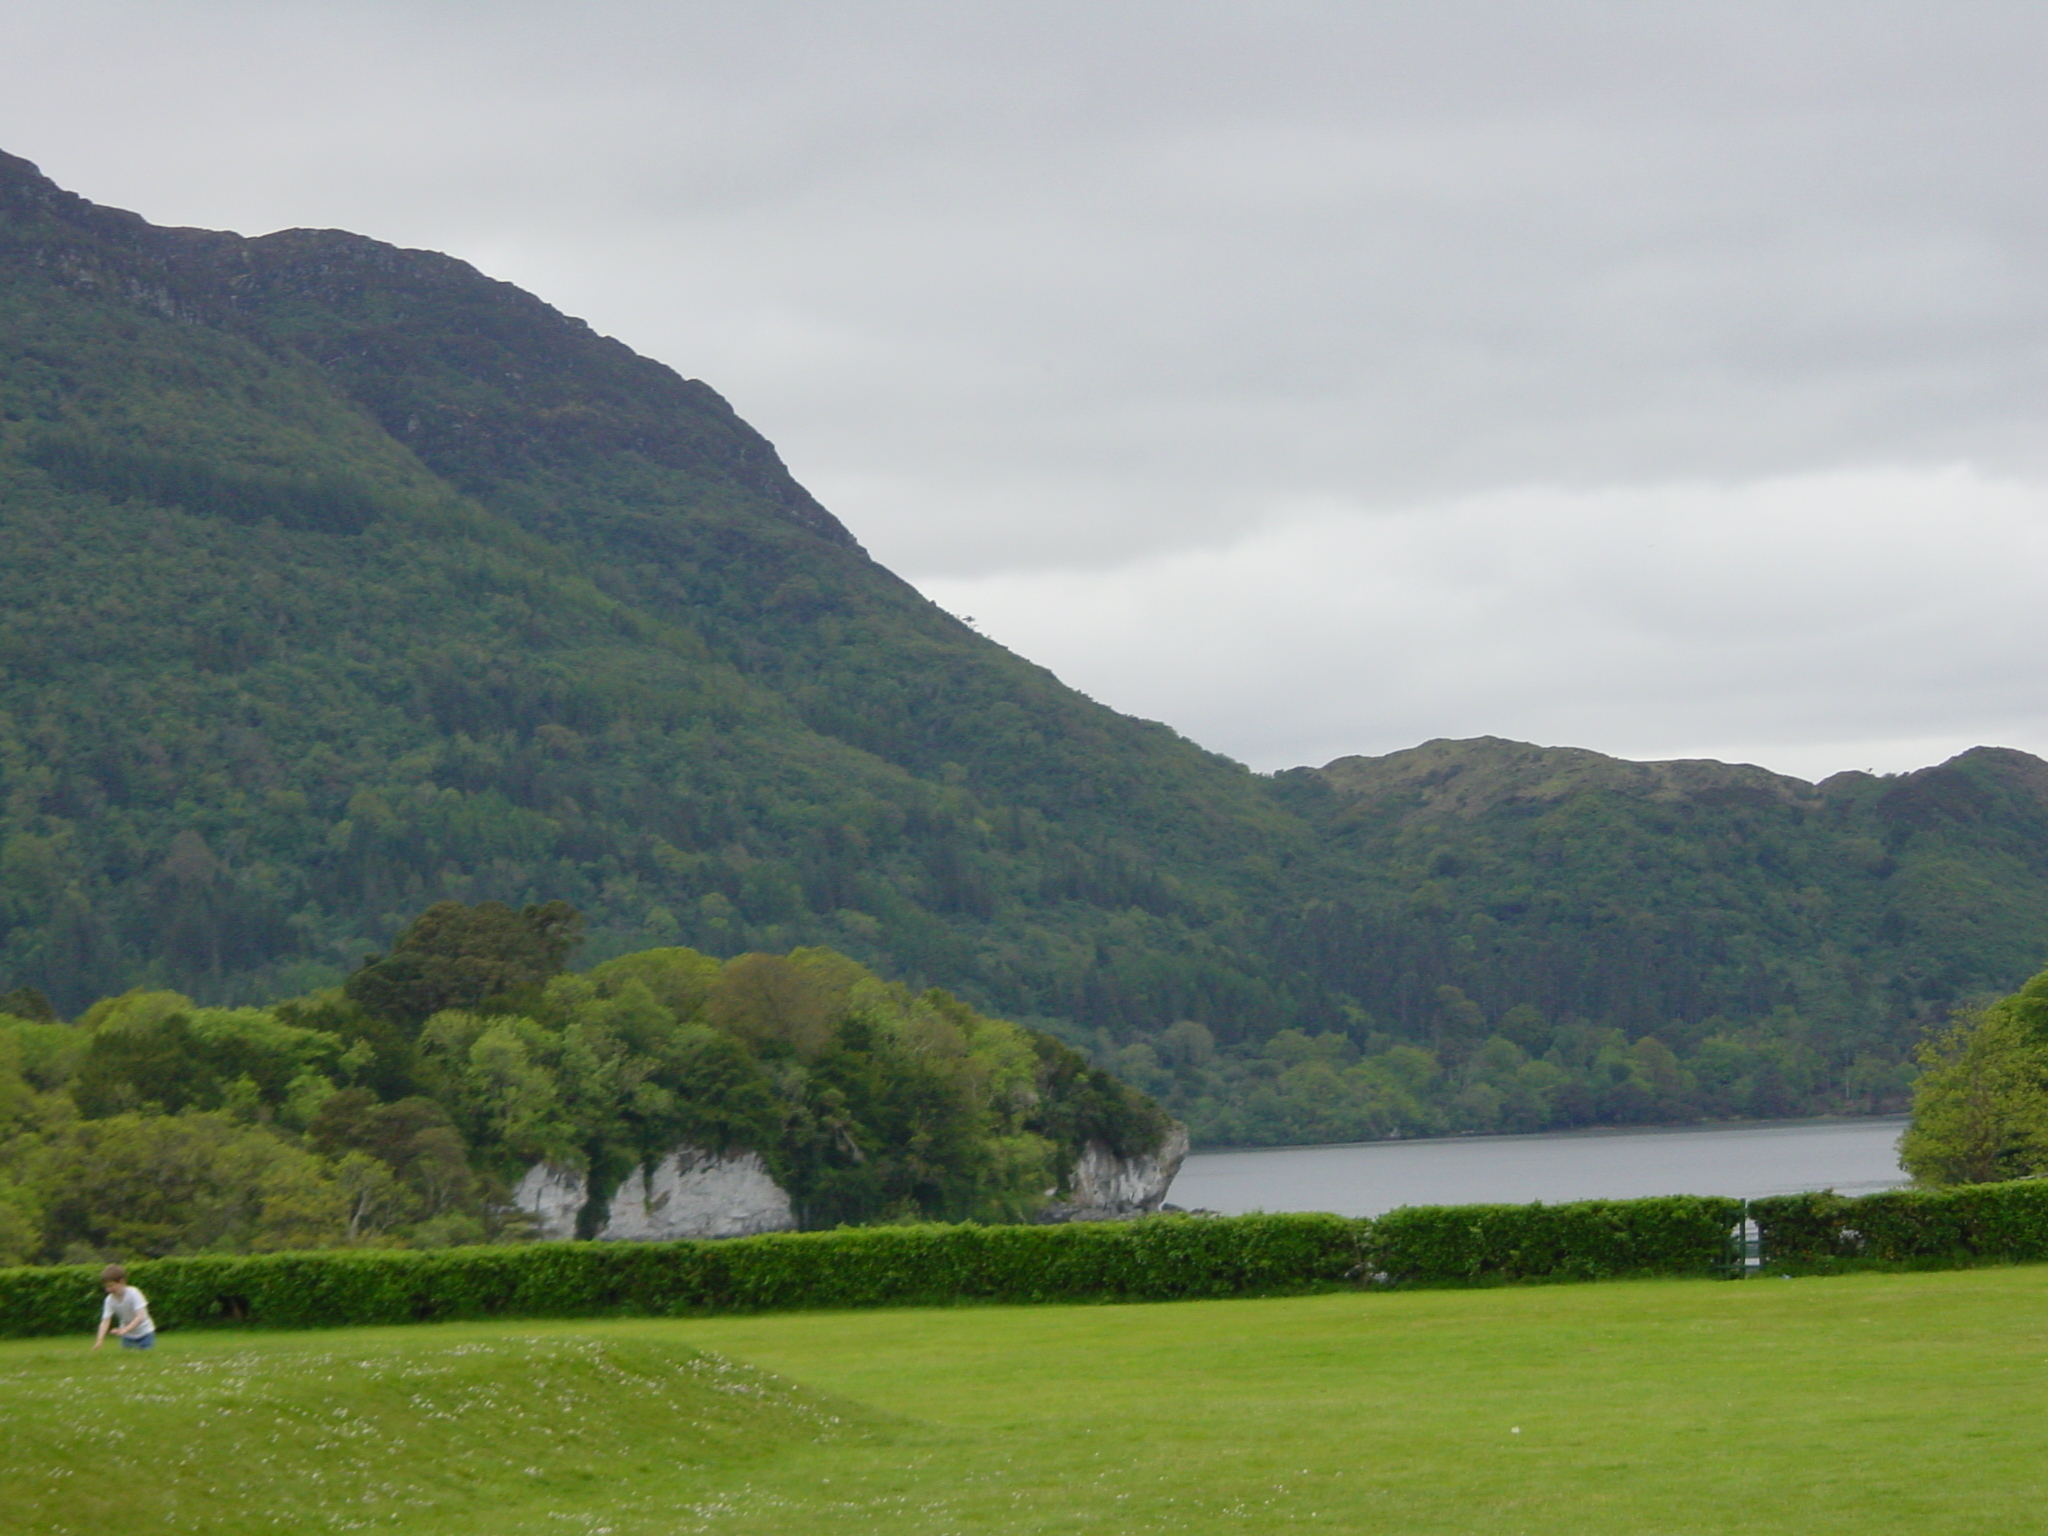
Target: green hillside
{"type": "Point", "coordinates": [1852, 901]}
{"type": "Point", "coordinates": [337, 580]}
{"type": "Point", "coordinates": [1575, 939]}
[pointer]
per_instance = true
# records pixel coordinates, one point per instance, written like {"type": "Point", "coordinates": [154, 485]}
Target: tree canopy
{"type": "Point", "coordinates": [154, 1125]}
{"type": "Point", "coordinates": [1980, 1104]}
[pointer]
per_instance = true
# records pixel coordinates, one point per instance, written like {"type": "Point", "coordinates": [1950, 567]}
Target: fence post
{"type": "Point", "coordinates": [1745, 1247]}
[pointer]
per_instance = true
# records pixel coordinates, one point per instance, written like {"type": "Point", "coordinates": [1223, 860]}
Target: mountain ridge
{"type": "Point", "coordinates": [488, 419]}
{"type": "Point", "coordinates": [207, 277]}
{"type": "Point", "coordinates": [1476, 773]}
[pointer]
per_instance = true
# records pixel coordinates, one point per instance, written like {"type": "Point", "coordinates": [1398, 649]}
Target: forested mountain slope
{"type": "Point", "coordinates": [337, 579]}
{"type": "Point", "coordinates": [1579, 883]}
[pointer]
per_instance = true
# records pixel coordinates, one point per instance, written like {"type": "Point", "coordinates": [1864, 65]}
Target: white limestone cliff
{"type": "Point", "coordinates": [690, 1193]}
{"type": "Point", "coordinates": [1105, 1187]}
{"type": "Point", "coordinates": [552, 1196]}
{"type": "Point", "coordinates": [699, 1194]}
{"type": "Point", "coordinates": [694, 1193]}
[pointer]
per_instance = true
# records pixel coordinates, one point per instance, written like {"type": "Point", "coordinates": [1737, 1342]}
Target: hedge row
{"type": "Point", "coordinates": [1969, 1224]}
{"type": "Point", "coordinates": [1604, 1239]}
{"type": "Point", "coordinates": [1160, 1259]}
{"type": "Point", "coordinates": [1585, 1240]}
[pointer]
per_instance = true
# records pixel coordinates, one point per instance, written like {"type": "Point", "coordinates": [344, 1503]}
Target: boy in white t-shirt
{"type": "Point", "coordinates": [126, 1312]}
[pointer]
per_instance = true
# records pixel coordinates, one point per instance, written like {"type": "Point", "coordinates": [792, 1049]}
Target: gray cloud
{"type": "Point", "coordinates": [1069, 293]}
{"type": "Point", "coordinates": [1875, 619]}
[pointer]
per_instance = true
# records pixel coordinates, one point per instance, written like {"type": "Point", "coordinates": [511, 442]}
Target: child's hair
{"type": "Point", "coordinates": [113, 1272]}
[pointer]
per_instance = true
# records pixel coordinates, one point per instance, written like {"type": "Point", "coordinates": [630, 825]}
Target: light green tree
{"type": "Point", "coordinates": [1980, 1104]}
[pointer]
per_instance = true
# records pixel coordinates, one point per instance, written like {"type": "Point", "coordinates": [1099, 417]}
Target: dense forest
{"type": "Point", "coordinates": [401, 1108]}
{"type": "Point", "coordinates": [337, 580]}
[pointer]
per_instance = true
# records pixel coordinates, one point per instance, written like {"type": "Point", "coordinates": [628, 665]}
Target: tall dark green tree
{"type": "Point", "coordinates": [457, 956]}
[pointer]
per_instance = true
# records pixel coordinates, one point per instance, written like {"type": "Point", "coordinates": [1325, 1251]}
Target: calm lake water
{"type": "Point", "coordinates": [1782, 1157]}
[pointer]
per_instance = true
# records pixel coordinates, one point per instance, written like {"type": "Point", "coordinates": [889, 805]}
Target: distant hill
{"type": "Point", "coordinates": [336, 579]}
{"type": "Point", "coordinates": [1860, 901]}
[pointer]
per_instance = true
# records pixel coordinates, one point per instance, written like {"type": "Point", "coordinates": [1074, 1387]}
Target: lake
{"type": "Point", "coordinates": [1781, 1157]}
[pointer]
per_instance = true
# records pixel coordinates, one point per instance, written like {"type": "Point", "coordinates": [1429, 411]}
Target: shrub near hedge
{"type": "Point", "coordinates": [1583, 1240]}
{"type": "Point", "coordinates": [1158, 1259]}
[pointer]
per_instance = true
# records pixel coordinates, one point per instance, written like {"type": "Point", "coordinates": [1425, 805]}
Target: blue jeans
{"type": "Point", "coordinates": [138, 1341]}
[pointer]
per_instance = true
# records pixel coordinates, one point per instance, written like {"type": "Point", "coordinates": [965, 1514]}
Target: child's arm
{"type": "Point", "coordinates": [106, 1322]}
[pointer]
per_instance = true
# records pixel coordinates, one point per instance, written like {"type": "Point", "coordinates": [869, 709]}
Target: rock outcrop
{"type": "Point", "coordinates": [689, 1193]}
{"type": "Point", "coordinates": [1105, 1187]}
{"type": "Point", "coordinates": [699, 1194]}
{"type": "Point", "coordinates": [553, 1196]}
{"type": "Point", "coordinates": [694, 1193]}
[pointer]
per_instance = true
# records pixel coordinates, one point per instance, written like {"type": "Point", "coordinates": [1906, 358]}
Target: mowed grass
{"type": "Point", "coordinates": [1868, 1403]}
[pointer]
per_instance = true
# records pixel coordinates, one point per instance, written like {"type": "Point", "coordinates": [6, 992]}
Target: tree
{"type": "Point", "coordinates": [157, 1064]}
{"type": "Point", "coordinates": [457, 956]}
{"type": "Point", "coordinates": [1980, 1105]}
{"type": "Point", "coordinates": [413, 1137]}
{"type": "Point", "coordinates": [372, 1197]}
{"type": "Point", "coordinates": [495, 1075]}
{"type": "Point", "coordinates": [28, 1003]}
{"type": "Point", "coordinates": [150, 1051]}
{"type": "Point", "coordinates": [765, 998]}
{"type": "Point", "coordinates": [141, 1186]}
{"type": "Point", "coordinates": [155, 1126]}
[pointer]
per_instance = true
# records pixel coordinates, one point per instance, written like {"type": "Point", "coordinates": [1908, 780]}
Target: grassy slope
{"type": "Point", "coordinates": [429, 1429]}
{"type": "Point", "coordinates": [1870, 1404]}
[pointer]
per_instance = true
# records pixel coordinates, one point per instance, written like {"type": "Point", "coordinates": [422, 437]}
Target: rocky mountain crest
{"type": "Point", "coordinates": [1464, 778]}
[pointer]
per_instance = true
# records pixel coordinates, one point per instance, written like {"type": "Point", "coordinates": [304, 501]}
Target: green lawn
{"type": "Point", "coordinates": [1870, 1403]}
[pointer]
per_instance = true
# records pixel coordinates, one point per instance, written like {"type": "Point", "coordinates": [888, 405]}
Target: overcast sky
{"type": "Point", "coordinates": [1319, 378]}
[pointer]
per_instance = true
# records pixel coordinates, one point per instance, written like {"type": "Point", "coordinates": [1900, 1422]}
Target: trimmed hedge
{"type": "Point", "coordinates": [1158, 1259]}
{"type": "Point", "coordinates": [1967, 1224]}
{"type": "Point", "coordinates": [1162, 1258]}
{"type": "Point", "coordinates": [1583, 1240]}
{"type": "Point", "coordinates": [1687, 1235]}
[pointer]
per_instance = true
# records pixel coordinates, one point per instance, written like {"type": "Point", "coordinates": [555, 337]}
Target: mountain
{"type": "Point", "coordinates": [338, 579]}
{"type": "Point", "coordinates": [1581, 883]}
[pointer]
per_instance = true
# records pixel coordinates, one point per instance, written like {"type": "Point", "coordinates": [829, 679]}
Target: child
{"type": "Point", "coordinates": [127, 1307]}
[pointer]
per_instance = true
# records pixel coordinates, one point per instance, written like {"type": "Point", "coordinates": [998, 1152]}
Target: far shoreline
{"type": "Point", "coordinates": [1575, 1133]}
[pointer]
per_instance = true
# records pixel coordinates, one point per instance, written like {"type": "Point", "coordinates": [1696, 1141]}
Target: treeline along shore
{"type": "Point", "coordinates": [466, 1069]}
